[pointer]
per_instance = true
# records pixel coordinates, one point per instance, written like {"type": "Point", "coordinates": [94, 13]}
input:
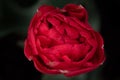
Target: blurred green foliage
{"type": "Point", "coordinates": [15, 16]}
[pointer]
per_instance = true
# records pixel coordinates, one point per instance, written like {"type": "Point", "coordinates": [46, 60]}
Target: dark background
{"type": "Point", "coordinates": [110, 24]}
{"type": "Point", "coordinates": [14, 20]}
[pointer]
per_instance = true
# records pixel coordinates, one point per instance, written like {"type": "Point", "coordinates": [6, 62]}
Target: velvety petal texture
{"type": "Point", "coordinates": [61, 41]}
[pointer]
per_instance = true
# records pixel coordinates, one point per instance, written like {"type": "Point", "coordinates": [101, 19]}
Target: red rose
{"type": "Point", "coordinates": [60, 41]}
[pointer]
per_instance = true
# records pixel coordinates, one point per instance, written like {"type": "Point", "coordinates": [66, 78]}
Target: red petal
{"type": "Point", "coordinates": [43, 28]}
{"type": "Point", "coordinates": [56, 24]}
{"type": "Point", "coordinates": [27, 50]}
{"type": "Point", "coordinates": [72, 32]}
{"type": "Point", "coordinates": [80, 71]}
{"type": "Point", "coordinates": [45, 9]}
{"type": "Point", "coordinates": [31, 38]}
{"type": "Point", "coordinates": [42, 68]}
{"type": "Point", "coordinates": [77, 11]}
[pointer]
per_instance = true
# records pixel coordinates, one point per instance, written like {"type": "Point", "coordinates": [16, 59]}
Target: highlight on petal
{"type": "Point", "coordinates": [64, 71]}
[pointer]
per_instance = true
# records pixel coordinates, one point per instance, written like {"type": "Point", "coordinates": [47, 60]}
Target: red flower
{"type": "Point", "coordinates": [60, 41]}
